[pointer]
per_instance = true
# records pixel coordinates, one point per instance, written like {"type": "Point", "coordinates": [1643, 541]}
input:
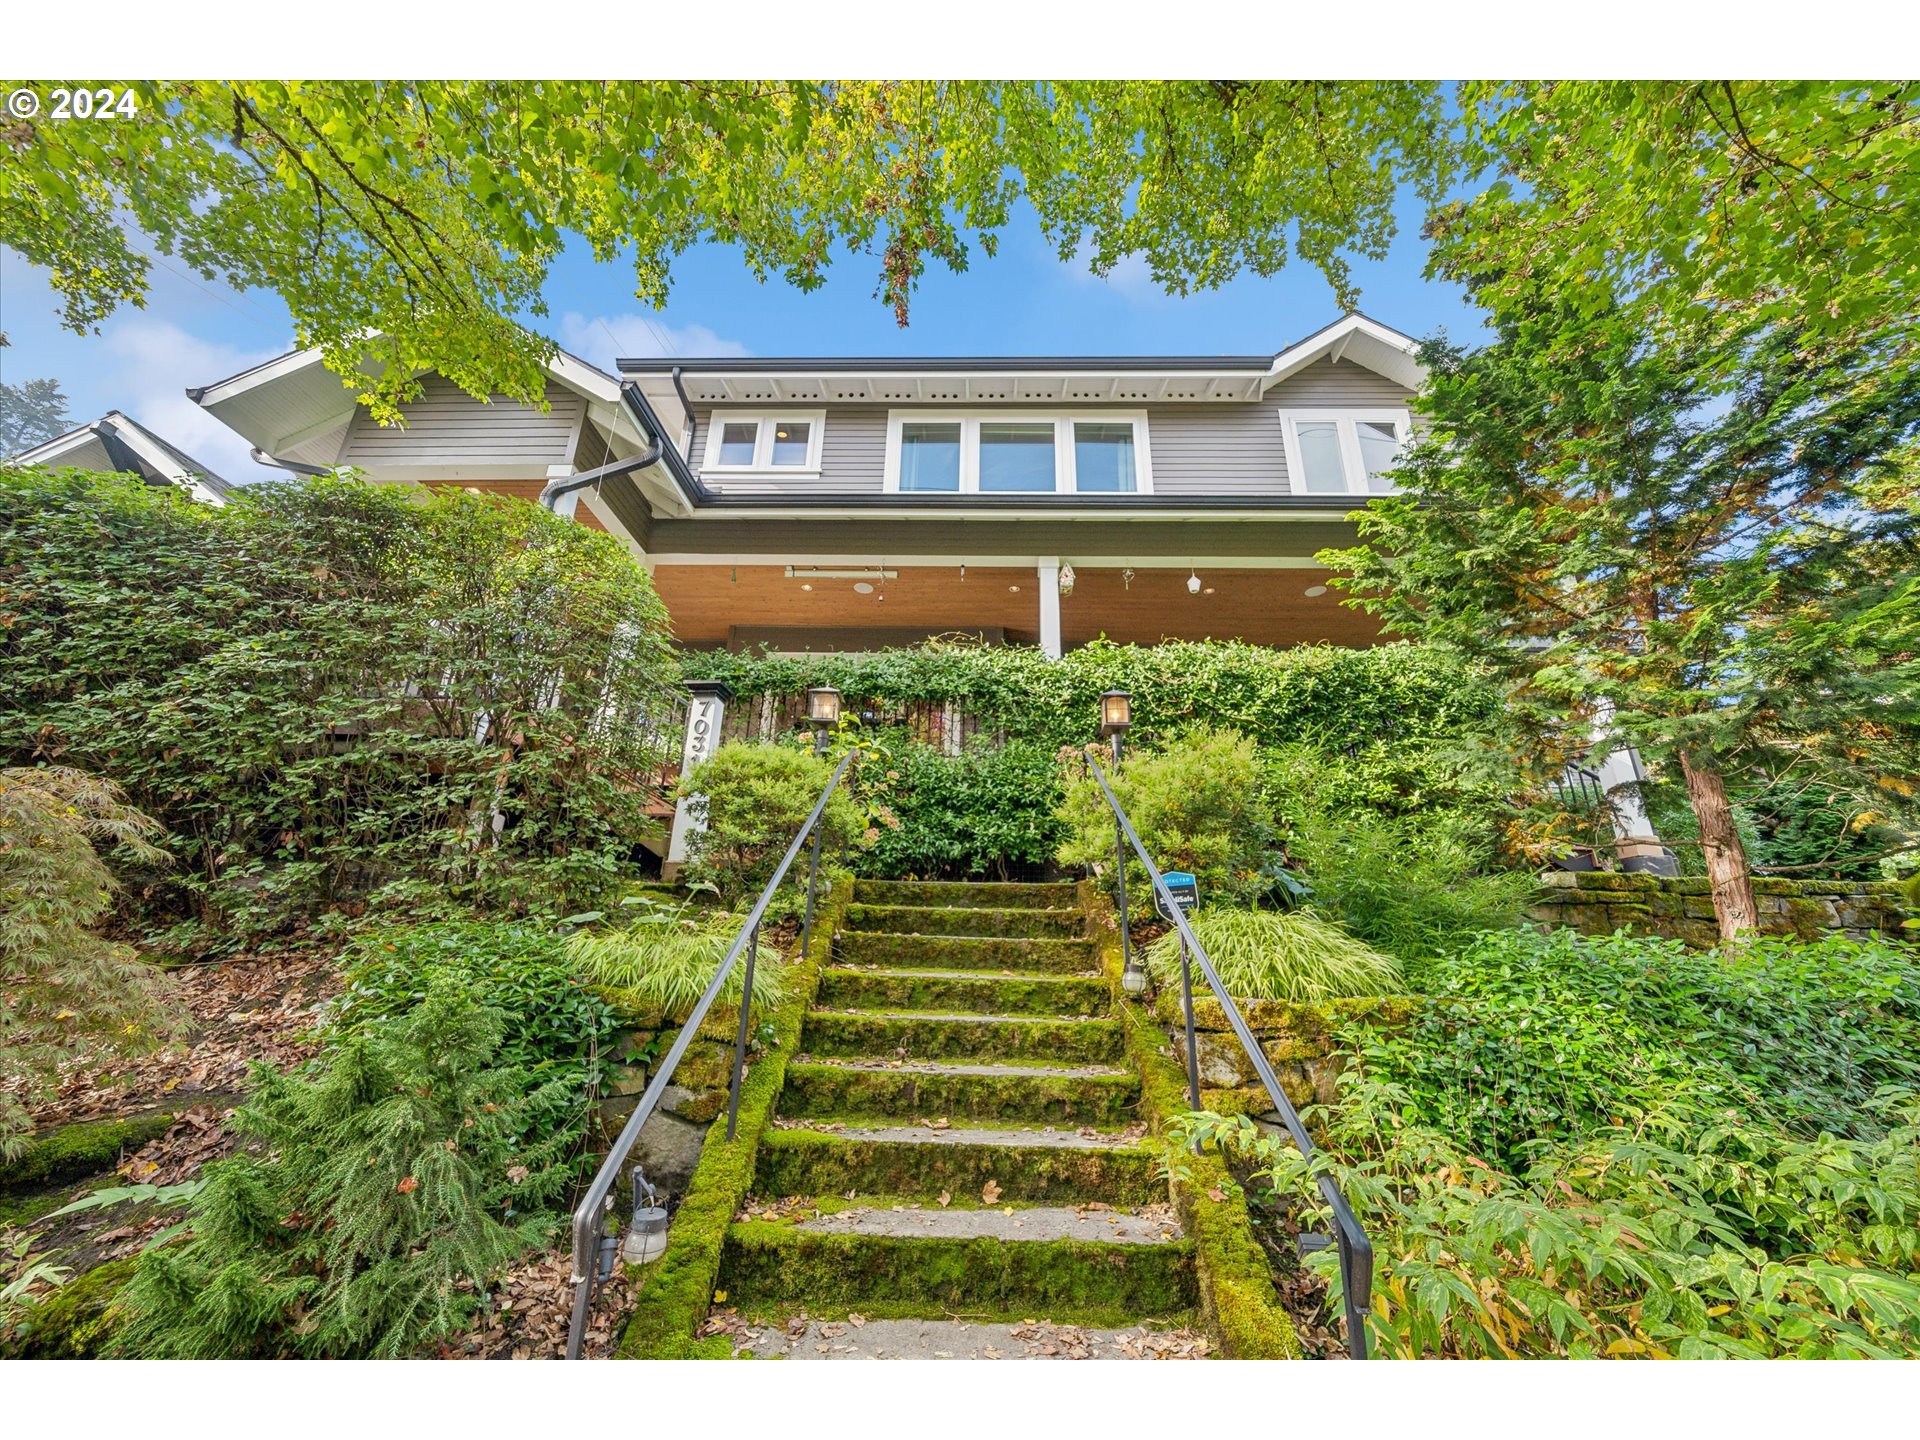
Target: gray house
{"type": "Point", "coordinates": [117, 442]}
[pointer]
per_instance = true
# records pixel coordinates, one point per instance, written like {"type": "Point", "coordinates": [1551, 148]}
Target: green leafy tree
{"type": "Point", "coordinates": [427, 213]}
{"type": "Point", "coordinates": [65, 991]}
{"type": "Point", "coordinates": [1710, 534]}
{"type": "Point", "coordinates": [31, 414]}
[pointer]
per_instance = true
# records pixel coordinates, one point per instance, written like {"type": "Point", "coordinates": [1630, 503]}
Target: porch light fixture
{"type": "Point", "coordinates": [1193, 583]}
{"type": "Point", "coordinates": [1066, 579]}
{"type": "Point", "coordinates": [823, 706]}
{"type": "Point", "coordinates": [646, 1237]}
{"type": "Point", "coordinates": [1314, 592]}
{"type": "Point", "coordinates": [1133, 978]}
{"type": "Point", "coordinates": [1116, 712]}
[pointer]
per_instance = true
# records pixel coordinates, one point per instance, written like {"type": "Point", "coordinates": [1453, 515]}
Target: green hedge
{"type": "Point", "coordinates": [1315, 694]}
{"type": "Point", "coordinates": [327, 689]}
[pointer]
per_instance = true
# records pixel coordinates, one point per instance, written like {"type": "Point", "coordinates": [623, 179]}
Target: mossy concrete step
{"type": "Point", "coordinates": [938, 1337]}
{"type": "Point", "coordinates": [993, 895]}
{"type": "Point", "coordinates": [974, 992]}
{"type": "Point", "coordinates": [1025, 1166]}
{"type": "Point", "coordinates": [1084, 1095]}
{"type": "Point", "coordinates": [1106, 1225]}
{"type": "Point", "coordinates": [908, 1035]}
{"type": "Point", "coordinates": [964, 952]}
{"type": "Point", "coordinates": [1059, 924]}
{"type": "Point", "coordinates": [769, 1262]}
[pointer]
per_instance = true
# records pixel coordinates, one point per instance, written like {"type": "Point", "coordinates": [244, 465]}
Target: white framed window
{"type": "Point", "coordinates": [1344, 452]}
{"type": "Point", "coordinates": [764, 442]}
{"type": "Point", "coordinates": [1001, 452]}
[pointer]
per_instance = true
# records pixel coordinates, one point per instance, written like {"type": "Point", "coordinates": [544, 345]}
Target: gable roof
{"type": "Point", "coordinates": [117, 442]}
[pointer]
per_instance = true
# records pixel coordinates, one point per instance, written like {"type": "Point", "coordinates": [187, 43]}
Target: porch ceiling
{"type": "Point", "coordinates": [1262, 607]}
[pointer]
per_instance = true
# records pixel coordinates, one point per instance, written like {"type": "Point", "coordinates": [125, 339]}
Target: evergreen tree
{"type": "Point", "coordinates": [1712, 528]}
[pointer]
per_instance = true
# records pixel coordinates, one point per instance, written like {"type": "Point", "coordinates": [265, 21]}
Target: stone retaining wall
{"type": "Point", "coordinates": [1602, 901]}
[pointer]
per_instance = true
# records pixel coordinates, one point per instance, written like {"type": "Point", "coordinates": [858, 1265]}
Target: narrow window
{"type": "Point", "coordinates": [1103, 458]}
{"type": "Point", "coordinates": [791, 441]}
{"type": "Point", "coordinates": [1320, 457]}
{"type": "Point", "coordinates": [1016, 457]}
{"type": "Point", "coordinates": [737, 439]}
{"type": "Point", "coordinates": [930, 455]}
{"type": "Point", "coordinates": [1379, 452]}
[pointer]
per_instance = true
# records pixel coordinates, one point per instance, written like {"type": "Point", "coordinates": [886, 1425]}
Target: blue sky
{"type": "Point", "coordinates": [1023, 301]}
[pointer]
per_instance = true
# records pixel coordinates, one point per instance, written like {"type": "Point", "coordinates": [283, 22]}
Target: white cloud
{"type": "Point", "coordinates": [602, 339]}
{"type": "Point", "coordinates": [146, 366]}
{"type": "Point", "coordinates": [1130, 275]}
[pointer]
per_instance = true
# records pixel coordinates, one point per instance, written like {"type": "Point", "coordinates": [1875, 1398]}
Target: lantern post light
{"type": "Point", "coordinates": [823, 713]}
{"type": "Point", "coordinates": [646, 1237]}
{"type": "Point", "coordinates": [1116, 717]}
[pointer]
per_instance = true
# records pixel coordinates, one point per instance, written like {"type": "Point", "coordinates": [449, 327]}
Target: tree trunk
{"type": "Point", "coordinates": [1733, 903]}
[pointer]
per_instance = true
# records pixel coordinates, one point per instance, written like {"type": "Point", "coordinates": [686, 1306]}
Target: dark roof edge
{"type": "Point", "coordinates": [1030, 504]}
{"type": "Point", "coordinates": [747, 364]}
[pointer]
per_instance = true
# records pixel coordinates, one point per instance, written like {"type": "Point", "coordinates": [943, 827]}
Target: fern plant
{"type": "Point", "coordinates": [1264, 955]}
{"type": "Point", "coordinates": [663, 963]}
{"type": "Point", "coordinates": [388, 1189]}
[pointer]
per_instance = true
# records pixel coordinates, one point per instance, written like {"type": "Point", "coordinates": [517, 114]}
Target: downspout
{"type": "Point", "coordinates": [261, 457]}
{"type": "Point", "coordinates": [567, 484]}
{"type": "Point", "coordinates": [686, 411]}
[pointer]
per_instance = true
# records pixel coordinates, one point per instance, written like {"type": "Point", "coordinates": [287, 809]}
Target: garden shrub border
{"type": "Point", "coordinates": [676, 1292]}
{"type": "Point", "coordinates": [1239, 1306]}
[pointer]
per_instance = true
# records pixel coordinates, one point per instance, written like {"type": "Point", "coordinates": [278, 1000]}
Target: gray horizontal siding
{"type": "Point", "coordinates": [1199, 447]}
{"type": "Point", "coordinates": [448, 426]}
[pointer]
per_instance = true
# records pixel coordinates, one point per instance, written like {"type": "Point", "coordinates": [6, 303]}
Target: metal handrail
{"type": "Point", "coordinates": [1356, 1251]}
{"type": "Point", "coordinates": [590, 1216]}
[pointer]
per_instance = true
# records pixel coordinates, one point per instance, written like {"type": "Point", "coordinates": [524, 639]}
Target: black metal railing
{"type": "Point", "coordinates": [593, 1249]}
{"type": "Point", "coordinates": [1356, 1251]}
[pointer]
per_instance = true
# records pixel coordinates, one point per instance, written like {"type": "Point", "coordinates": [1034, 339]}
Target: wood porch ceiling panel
{"type": "Point", "coordinates": [1262, 607]}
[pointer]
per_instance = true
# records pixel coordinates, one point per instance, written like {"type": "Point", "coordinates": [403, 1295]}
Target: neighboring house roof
{"type": "Point", "coordinates": [120, 443]}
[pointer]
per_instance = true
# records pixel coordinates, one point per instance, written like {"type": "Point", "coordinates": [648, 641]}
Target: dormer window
{"type": "Point", "coordinates": [1002, 452]}
{"type": "Point", "coordinates": [1343, 452]}
{"type": "Point", "coordinates": [778, 443]}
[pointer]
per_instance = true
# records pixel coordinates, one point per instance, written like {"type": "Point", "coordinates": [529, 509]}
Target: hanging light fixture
{"type": "Point", "coordinates": [1067, 578]}
{"type": "Point", "coordinates": [1193, 583]}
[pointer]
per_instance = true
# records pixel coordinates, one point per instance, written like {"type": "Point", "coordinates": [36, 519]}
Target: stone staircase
{"type": "Point", "coordinates": [958, 1165]}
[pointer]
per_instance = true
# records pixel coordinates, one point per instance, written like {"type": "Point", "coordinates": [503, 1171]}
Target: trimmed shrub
{"type": "Point", "coordinates": [753, 799]}
{"type": "Point", "coordinates": [987, 811]}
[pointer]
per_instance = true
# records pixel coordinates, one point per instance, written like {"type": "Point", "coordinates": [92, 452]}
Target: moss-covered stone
{"type": "Point", "coordinates": [963, 920]}
{"type": "Point", "coordinates": [966, 893]}
{"type": "Point", "coordinates": [1075, 1042]}
{"type": "Point", "coordinates": [812, 1162]}
{"type": "Point", "coordinates": [676, 1291]}
{"type": "Point", "coordinates": [983, 994]}
{"type": "Point", "coordinates": [1067, 1100]}
{"type": "Point", "coordinates": [73, 1152]}
{"type": "Point", "coordinates": [771, 1262]}
{"type": "Point", "coordinates": [76, 1321]}
{"type": "Point", "coordinates": [1603, 902]}
{"type": "Point", "coordinates": [934, 952]}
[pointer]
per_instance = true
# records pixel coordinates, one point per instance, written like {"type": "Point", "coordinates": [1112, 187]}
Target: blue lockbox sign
{"type": "Point", "coordinates": [1184, 888]}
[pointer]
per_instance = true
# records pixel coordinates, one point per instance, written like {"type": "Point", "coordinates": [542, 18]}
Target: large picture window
{"type": "Point", "coordinates": [997, 453]}
{"type": "Point", "coordinates": [1343, 452]}
{"type": "Point", "coordinates": [779, 443]}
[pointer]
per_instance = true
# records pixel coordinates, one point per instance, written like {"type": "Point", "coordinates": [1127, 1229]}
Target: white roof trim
{"type": "Point", "coordinates": [162, 464]}
{"type": "Point", "coordinates": [1357, 340]}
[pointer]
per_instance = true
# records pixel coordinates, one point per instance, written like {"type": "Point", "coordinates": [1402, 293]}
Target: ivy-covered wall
{"type": "Point", "coordinates": [1600, 902]}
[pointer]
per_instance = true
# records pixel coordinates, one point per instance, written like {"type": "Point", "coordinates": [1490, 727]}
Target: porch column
{"type": "Point", "coordinates": [704, 714]}
{"type": "Point", "coordinates": [1636, 845]}
{"type": "Point", "coordinates": [1049, 569]}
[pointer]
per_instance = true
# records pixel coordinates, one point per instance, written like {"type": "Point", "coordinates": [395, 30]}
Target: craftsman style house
{"type": "Point", "coordinates": [843, 504]}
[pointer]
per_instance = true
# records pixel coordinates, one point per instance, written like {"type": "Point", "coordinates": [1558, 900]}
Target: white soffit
{"type": "Point", "coordinates": [935, 387]}
{"type": "Point", "coordinates": [1360, 341]}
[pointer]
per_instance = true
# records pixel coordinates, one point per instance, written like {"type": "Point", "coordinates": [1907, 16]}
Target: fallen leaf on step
{"type": "Point", "coordinates": [856, 1321]}
{"type": "Point", "coordinates": [946, 1198]}
{"type": "Point", "coordinates": [849, 1195]}
{"type": "Point", "coordinates": [990, 1192]}
{"type": "Point", "coordinates": [940, 1124]}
